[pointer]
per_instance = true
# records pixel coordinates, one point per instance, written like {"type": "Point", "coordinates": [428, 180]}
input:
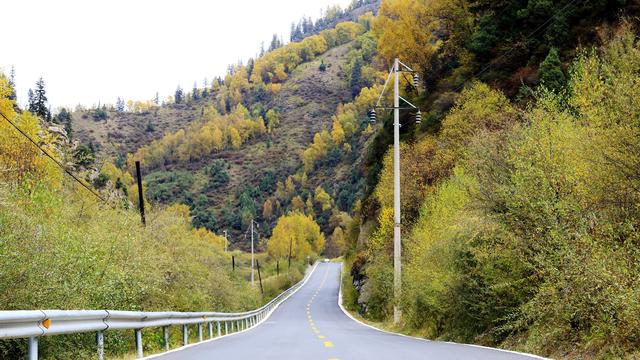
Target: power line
{"type": "Point", "coordinates": [488, 66]}
{"type": "Point", "coordinates": [73, 176]}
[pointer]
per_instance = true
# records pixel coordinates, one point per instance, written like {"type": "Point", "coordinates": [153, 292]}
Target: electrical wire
{"type": "Point", "coordinates": [46, 153]}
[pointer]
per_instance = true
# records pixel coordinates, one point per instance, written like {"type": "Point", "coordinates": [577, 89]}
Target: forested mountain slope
{"type": "Point", "coordinates": [224, 150]}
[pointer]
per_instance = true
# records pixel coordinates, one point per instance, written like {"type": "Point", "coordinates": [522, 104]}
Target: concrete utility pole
{"type": "Point", "coordinates": [397, 245]}
{"type": "Point", "coordinates": [398, 67]}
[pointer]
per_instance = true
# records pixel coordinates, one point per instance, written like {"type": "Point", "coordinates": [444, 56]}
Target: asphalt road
{"type": "Point", "coordinates": [310, 325]}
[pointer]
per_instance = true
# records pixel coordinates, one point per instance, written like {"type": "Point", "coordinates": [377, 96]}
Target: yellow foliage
{"type": "Point", "coordinates": [323, 198]}
{"type": "Point", "coordinates": [406, 29]}
{"type": "Point", "coordinates": [298, 231]}
{"type": "Point", "coordinates": [297, 205]}
{"type": "Point", "coordinates": [214, 134]}
{"type": "Point", "coordinates": [20, 160]}
{"type": "Point", "coordinates": [215, 240]}
{"type": "Point", "coordinates": [267, 209]}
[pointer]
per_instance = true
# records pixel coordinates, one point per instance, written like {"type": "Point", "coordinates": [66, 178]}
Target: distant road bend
{"type": "Point", "coordinates": [310, 325]}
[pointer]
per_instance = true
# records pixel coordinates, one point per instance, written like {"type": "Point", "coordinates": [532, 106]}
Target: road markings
{"type": "Point", "coordinates": [327, 344]}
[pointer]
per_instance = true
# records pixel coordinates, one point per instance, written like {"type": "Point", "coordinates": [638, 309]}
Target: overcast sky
{"type": "Point", "coordinates": [96, 50]}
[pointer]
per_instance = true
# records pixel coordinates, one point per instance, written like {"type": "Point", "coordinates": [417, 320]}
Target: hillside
{"type": "Point", "coordinates": [227, 187]}
{"type": "Point", "coordinates": [519, 188]}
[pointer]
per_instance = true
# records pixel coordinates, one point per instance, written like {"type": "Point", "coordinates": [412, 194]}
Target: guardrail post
{"type": "Point", "coordinates": [33, 348]}
{"type": "Point", "coordinates": [210, 329]}
{"type": "Point", "coordinates": [218, 323]}
{"type": "Point", "coordinates": [199, 332]}
{"type": "Point", "coordinates": [139, 343]}
{"type": "Point", "coordinates": [185, 335]}
{"type": "Point", "coordinates": [165, 336]}
{"type": "Point", "coordinates": [100, 343]}
{"type": "Point", "coordinates": [226, 328]}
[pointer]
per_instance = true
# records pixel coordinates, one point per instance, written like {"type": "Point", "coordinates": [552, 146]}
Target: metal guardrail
{"type": "Point", "coordinates": [32, 324]}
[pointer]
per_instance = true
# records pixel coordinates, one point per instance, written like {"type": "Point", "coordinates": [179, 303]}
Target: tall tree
{"type": "Point", "coordinates": [195, 94]}
{"type": "Point", "coordinates": [64, 118]}
{"type": "Point", "coordinates": [38, 101]}
{"type": "Point", "coordinates": [12, 84]}
{"type": "Point", "coordinates": [120, 105]}
{"type": "Point", "coordinates": [356, 77]}
{"type": "Point", "coordinates": [275, 43]}
{"type": "Point", "coordinates": [179, 95]}
{"type": "Point", "coordinates": [551, 74]}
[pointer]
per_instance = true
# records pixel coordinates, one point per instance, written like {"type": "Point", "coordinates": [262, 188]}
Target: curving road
{"type": "Point", "coordinates": [310, 325]}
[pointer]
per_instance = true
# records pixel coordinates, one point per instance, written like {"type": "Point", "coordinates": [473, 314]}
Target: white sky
{"type": "Point", "coordinates": [96, 50]}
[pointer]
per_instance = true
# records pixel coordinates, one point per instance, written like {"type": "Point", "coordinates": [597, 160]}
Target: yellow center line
{"type": "Point", "coordinates": [328, 344]}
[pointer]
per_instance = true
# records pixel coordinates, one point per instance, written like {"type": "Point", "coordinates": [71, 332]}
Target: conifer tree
{"type": "Point", "coordinates": [551, 74]}
{"type": "Point", "coordinates": [179, 95]}
{"type": "Point", "coordinates": [195, 95]}
{"type": "Point", "coordinates": [12, 84]}
{"type": "Point", "coordinates": [38, 101]}
{"type": "Point", "coordinates": [120, 105]}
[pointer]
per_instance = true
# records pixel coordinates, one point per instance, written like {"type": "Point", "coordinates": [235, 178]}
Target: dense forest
{"type": "Point", "coordinates": [519, 187]}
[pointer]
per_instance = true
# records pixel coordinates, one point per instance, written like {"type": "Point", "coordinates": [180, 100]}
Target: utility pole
{"type": "Point", "coordinates": [252, 261]}
{"type": "Point", "coordinates": [140, 195]}
{"type": "Point", "coordinates": [397, 246]}
{"type": "Point", "coordinates": [290, 247]}
{"type": "Point", "coordinates": [398, 67]}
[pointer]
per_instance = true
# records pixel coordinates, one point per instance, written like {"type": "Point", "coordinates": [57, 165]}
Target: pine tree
{"type": "Point", "coordinates": [156, 99]}
{"type": "Point", "coordinates": [119, 105]}
{"type": "Point", "coordinates": [12, 84]}
{"type": "Point", "coordinates": [275, 43]}
{"type": "Point", "coordinates": [179, 95]}
{"type": "Point", "coordinates": [38, 101]}
{"type": "Point", "coordinates": [64, 118]}
{"type": "Point", "coordinates": [195, 94]}
{"type": "Point", "coordinates": [205, 90]}
{"type": "Point", "coordinates": [551, 74]}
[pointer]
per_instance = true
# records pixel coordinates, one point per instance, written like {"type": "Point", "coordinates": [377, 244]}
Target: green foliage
{"type": "Point", "coordinates": [551, 74]}
{"type": "Point", "coordinates": [61, 250]}
{"type": "Point", "coordinates": [217, 173]}
{"type": "Point", "coordinates": [528, 240]}
{"type": "Point", "coordinates": [84, 155]}
{"type": "Point", "coordinates": [168, 186]}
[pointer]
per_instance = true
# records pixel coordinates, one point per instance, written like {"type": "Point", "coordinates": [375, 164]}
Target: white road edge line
{"type": "Point", "coordinates": [239, 332]}
{"type": "Point", "coordinates": [419, 338]}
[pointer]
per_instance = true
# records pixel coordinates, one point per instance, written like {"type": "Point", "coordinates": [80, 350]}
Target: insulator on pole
{"type": "Point", "coordinates": [372, 116]}
{"type": "Point", "coordinates": [416, 80]}
{"type": "Point", "coordinates": [418, 117]}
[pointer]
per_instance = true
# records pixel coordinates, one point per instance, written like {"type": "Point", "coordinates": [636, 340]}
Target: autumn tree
{"type": "Point", "coordinates": [297, 204]}
{"type": "Point", "coordinates": [267, 209]}
{"type": "Point", "coordinates": [300, 232]}
{"type": "Point", "coordinates": [322, 198]}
